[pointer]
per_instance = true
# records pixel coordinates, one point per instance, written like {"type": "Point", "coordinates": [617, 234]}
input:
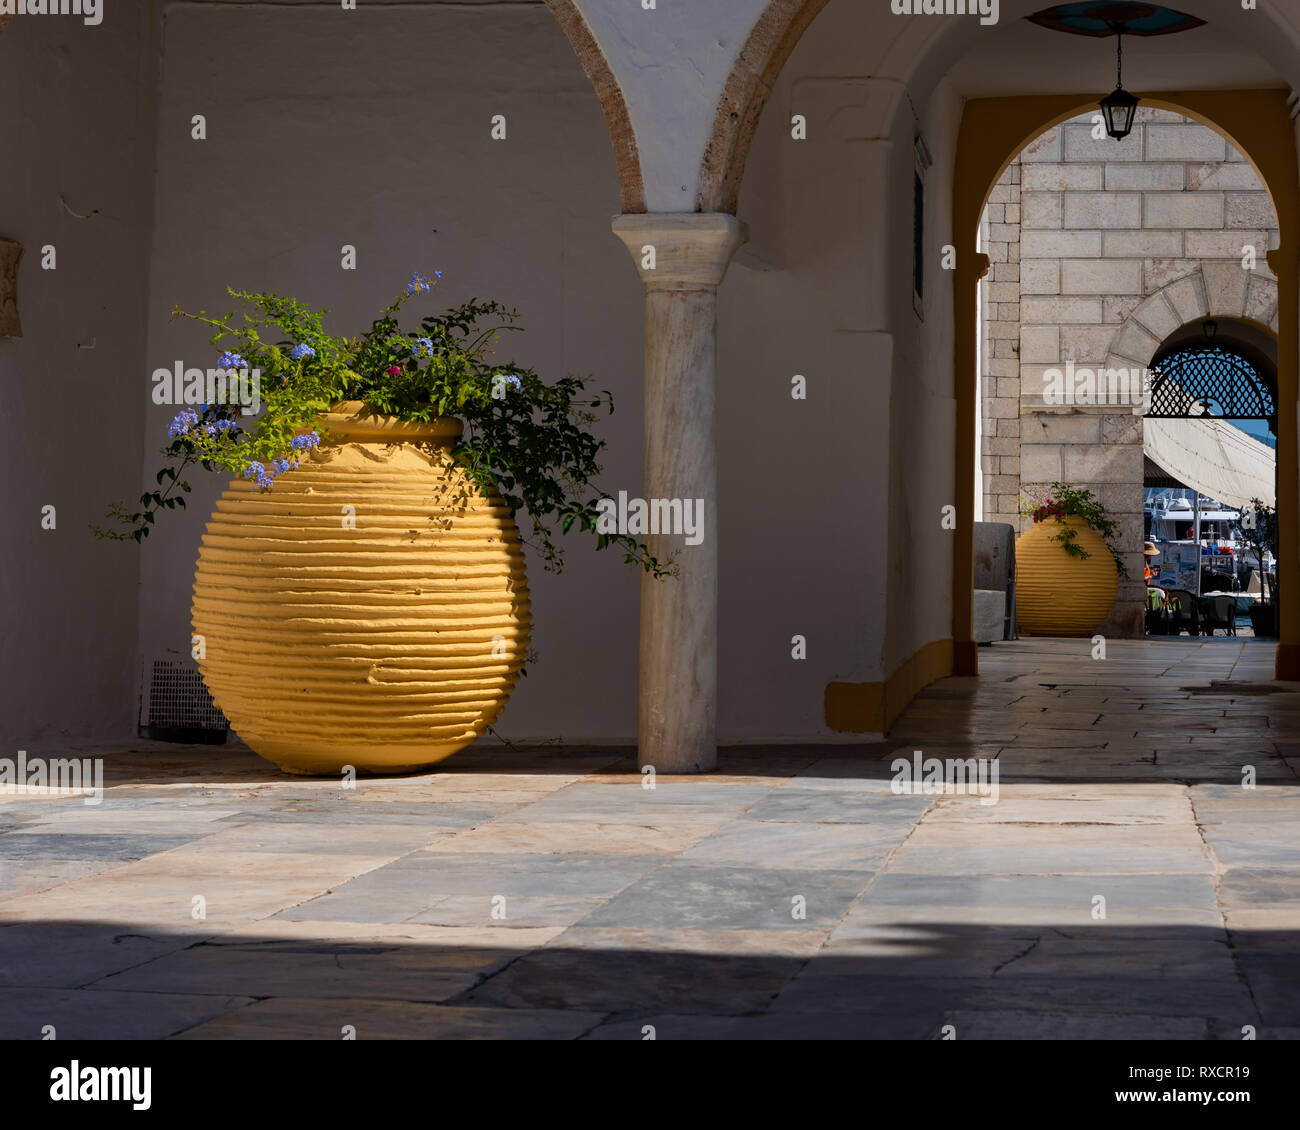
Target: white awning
{"type": "Point", "coordinates": [1214, 458]}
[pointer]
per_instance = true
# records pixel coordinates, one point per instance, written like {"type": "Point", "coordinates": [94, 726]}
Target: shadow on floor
{"type": "Point", "coordinates": [989, 981]}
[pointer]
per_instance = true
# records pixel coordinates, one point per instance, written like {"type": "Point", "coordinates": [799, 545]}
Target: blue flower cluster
{"type": "Point", "coordinates": [265, 476]}
{"type": "Point", "coordinates": [422, 345]}
{"type": "Point", "coordinates": [186, 419]}
{"type": "Point", "coordinates": [298, 352]}
{"type": "Point", "coordinates": [231, 361]}
{"type": "Point", "coordinates": [258, 471]}
{"type": "Point", "coordinates": [420, 283]}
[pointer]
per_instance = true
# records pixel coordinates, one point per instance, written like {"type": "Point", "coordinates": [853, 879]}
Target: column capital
{"type": "Point", "coordinates": [691, 249]}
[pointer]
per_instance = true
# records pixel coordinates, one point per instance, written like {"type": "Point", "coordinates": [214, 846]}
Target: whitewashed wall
{"type": "Point", "coordinates": [77, 136]}
{"type": "Point", "coordinates": [810, 512]}
{"type": "Point", "coordinates": [372, 128]}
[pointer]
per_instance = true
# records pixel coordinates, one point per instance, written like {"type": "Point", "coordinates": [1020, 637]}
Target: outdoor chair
{"type": "Point", "coordinates": [1219, 612]}
{"type": "Point", "coordinates": [1157, 612]}
{"type": "Point", "coordinates": [1183, 615]}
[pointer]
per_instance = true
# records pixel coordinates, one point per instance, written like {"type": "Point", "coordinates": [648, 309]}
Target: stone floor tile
{"type": "Point", "coordinates": [58, 955]}
{"type": "Point", "coordinates": [92, 1014]}
{"type": "Point", "coordinates": [366, 839]}
{"type": "Point", "coordinates": [780, 942]}
{"type": "Point", "coordinates": [289, 1018]}
{"type": "Point", "coordinates": [544, 836]}
{"type": "Point", "coordinates": [25, 876]}
{"type": "Point", "coordinates": [625, 906]}
{"type": "Point", "coordinates": [1025, 1024]}
{"type": "Point", "coordinates": [765, 843]}
{"type": "Point", "coordinates": [44, 844]}
{"type": "Point", "coordinates": [793, 804]}
{"type": "Point", "coordinates": [1071, 894]}
{"type": "Point", "coordinates": [387, 970]}
{"type": "Point", "coordinates": [512, 912]}
{"type": "Point", "coordinates": [604, 980]}
{"type": "Point", "coordinates": [1071, 856]}
{"type": "Point", "coordinates": [688, 896]}
{"type": "Point", "coordinates": [405, 888]}
{"type": "Point", "coordinates": [794, 1026]}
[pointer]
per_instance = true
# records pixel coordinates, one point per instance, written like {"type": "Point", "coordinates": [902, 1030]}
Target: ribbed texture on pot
{"type": "Point", "coordinates": [1058, 594]}
{"type": "Point", "coordinates": [388, 646]}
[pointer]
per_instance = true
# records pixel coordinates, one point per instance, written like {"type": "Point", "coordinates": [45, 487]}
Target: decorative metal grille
{"type": "Point", "coordinates": [1209, 380]}
{"type": "Point", "coordinates": [178, 706]}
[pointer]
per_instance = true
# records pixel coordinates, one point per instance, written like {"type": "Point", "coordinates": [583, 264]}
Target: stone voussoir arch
{"type": "Point", "coordinates": [749, 86]}
{"type": "Point", "coordinates": [613, 105]}
{"type": "Point", "coordinates": [1213, 289]}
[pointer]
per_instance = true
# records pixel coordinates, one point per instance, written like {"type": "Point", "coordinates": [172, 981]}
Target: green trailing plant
{"type": "Point", "coordinates": [528, 440]}
{"type": "Point", "coordinates": [1071, 505]}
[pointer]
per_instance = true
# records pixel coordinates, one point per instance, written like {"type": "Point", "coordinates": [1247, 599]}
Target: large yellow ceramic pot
{"type": "Point", "coordinates": [1058, 594]}
{"type": "Point", "coordinates": [371, 609]}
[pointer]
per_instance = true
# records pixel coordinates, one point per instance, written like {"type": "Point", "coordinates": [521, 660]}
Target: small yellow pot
{"type": "Point", "coordinates": [371, 609]}
{"type": "Point", "coordinates": [1058, 594]}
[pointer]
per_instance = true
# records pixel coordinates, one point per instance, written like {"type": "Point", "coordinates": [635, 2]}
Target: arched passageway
{"type": "Point", "coordinates": [1100, 251]}
{"type": "Point", "coordinates": [1258, 124]}
{"type": "Point", "coordinates": [692, 126]}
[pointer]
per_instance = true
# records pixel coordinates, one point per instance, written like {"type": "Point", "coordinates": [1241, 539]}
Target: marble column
{"type": "Point", "coordinates": [681, 258]}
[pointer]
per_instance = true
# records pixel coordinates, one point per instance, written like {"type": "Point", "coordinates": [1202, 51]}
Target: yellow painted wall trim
{"type": "Point", "coordinates": [871, 708]}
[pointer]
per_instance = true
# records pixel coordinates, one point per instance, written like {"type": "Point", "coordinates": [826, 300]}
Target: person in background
{"type": "Point", "coordinates": [1150, 552]}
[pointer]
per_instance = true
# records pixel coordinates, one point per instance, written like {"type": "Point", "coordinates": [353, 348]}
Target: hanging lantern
{"type": "Point", "coordinates": [1119, 107]}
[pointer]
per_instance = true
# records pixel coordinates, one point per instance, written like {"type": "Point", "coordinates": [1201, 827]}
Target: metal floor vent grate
{"type": "Point", "coordinates": [177, 706]}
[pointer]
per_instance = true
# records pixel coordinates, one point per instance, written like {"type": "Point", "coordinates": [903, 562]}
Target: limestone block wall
{"type": "Point", "coordinates": [1000, 367]}
{"type": "Point", "coordinates": [1119, 243]}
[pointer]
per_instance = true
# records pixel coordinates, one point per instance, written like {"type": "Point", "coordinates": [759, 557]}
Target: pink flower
{"type": "Point", "coordinates": [394, 370]}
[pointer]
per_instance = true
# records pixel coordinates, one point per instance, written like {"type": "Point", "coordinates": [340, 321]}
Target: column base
{"type": "Point", "coordinates": [705, 761]}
